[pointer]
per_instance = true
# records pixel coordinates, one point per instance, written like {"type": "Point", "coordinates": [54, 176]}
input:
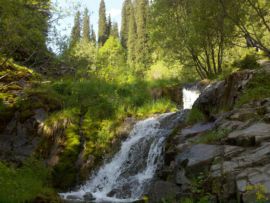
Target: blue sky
{"type": "Point", "coordinates": [64, 25]}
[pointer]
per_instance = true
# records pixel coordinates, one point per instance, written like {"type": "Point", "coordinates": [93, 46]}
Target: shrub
{"type": "Point", "coordinates": [248, 62]}
{"type": "Point", "coordinates": [24, 184]}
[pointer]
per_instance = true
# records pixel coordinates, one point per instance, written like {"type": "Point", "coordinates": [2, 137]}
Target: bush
{"type": "Point", "coordinates": [248, 62]}
{"type": "Point", "coordinates": [26, 183]}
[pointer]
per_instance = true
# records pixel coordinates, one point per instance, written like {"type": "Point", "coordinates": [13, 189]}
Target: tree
{"type": "Point", "coordinates": [102, 24]}
{"type": "Point", "coordinates": [24, 30]}
{"type": "Point", "coordinates": [111, 54]}
{"type": "Point", "coordinates": [114, 30]}
{"type": "Point", "coordinates": [109, 26]}
{"type": "Point", "coordinates": [86, 26]}
{"type": "Point", "coordinates": [199, 33]}
{"type": "Point", "coordinates": [127, 6]}
{"type": "Point", "coordinates": [132, 36]}
{"type": "Point", "coordinates": [111, 59]}
{"type": "Point", "coordinates": [142, 46]}
{"type": "Point", "coordinates": [76, 30]}
{"type": "Point", "coordinates": [252, 19]}
{"type": "Point", "coordinates": [93, 35]}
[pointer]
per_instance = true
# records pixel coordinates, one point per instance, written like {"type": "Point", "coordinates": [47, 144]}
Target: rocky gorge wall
{"type": "Point", "coordinates": [224, 158]}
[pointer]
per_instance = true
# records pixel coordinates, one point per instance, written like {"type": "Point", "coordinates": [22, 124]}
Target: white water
{"type": "Point", "coordinates": [126, 176]}
{"type": "Point", "coordinates": [189, 97]}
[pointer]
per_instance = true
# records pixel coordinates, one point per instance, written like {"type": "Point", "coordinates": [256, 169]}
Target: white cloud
{"type": "Point", "coordinates": [115, 12]}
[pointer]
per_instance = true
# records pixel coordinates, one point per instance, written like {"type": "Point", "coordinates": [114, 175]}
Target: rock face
{"type": "Point", "coordinates": [223, 94]}
{"type": "Point", "coordinates": [235, 167]}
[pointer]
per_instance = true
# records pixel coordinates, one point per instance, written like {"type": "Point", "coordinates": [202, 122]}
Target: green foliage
{"type": "Point", "coordinates": [248, 62]}
{"type": "Point", "coordinates": [111, 54]}
{"type": "Point", "coordinates": [125, 27]}
{"type": "Point", "coordinates": [258, 88]}
{"type": "Point", "coordinates": [156, 107]}
{"type": "Point", "coordinates": [195, 116]}
{"type": "Point", "coordinates": [26, 183]}
{"type": "Point", "coordinates": [86, 26]}
{"type": "Point", "coordinates": [76, 30]}
{"type": "Point", "coordinates": [132, 37]}
{"type": "Point", "coordinates": [82, 56]}
{"type": "Point", "coordinates": [213, 136]}
{"type": "Point", "coordinates": [260, 190]}
{"type": "Point", "coordinates": [102, 24]}
{"type": "Point", "coordinates": [142, 48]}
{"type": "Point", "coordinates": [25, 24]}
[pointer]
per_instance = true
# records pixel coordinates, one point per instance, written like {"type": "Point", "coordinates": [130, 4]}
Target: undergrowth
{"type": "Point", "coordinates": [25, 184]}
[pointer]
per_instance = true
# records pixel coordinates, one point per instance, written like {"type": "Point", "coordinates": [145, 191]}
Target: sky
{"type": "Point", "coordinates": [68, 8]}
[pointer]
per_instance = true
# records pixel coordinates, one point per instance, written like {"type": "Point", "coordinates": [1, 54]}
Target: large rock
{"type": "Point", "coordinates": [223, 94]}
{"type": "Point", "coordinates": [163, 190]}
{"type": "Point", "coordinates": [250, 136]}
{"type": "Point", "coordinates": [199, 155]}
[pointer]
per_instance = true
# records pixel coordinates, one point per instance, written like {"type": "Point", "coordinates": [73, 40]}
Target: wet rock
{"type": "Point", "coordinates": [89, 197]}
{"type": "Point", "coordinates": [253, 180]}
{"type": "Point", "coordinates": [162, 190]}
{"type": "Point", "coordinates": [244, 114]}
{"type": "Point", "coordinates": [40, 115]}
{"type": "Point", "coordinates": [199, 155]}
{"type": "Point", "coordinates": [197, 129]}
{"type": "Point", "coordinates": [235, 164]}
{"type": "Point", "coordinates": [250, 136]}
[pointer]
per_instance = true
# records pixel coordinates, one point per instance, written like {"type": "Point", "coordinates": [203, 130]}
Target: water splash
{"type": "Point", "coordinates": [126, 177]}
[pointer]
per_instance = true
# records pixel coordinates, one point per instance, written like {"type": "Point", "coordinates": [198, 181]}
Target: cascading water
{"type": "Point", "coordinates": [190, 95]}
{"type": "Point", "coordinates": [127, 177]}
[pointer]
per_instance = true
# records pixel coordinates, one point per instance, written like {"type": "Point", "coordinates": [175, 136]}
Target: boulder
{"type": "Point", "coordinates": [250, 136]}
{"type": "Point", "coordinates": [197, 129]}
{"type": "Point", "coordinates": [223, 94]}
{"type": "Point", "coordinates": [199, 155]}
{"type": "Point", "coordinates": [162, 190]}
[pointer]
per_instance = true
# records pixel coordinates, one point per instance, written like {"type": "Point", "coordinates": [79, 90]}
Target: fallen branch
{"type": "Point", "coordinates": [3, 76]}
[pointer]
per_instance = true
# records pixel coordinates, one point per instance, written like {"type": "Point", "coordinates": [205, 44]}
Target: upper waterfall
{"type": "Point", "coordinates": [190, 95]}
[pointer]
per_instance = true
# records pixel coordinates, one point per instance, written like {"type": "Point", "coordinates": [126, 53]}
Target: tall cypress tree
{"type": "Point", "coordinates": [76, 30]}
{"type": "Point", "coordinates": [142, 46]}
{"type": "Point", "coordinates": [102, 24]}
{"type": "Point", "coordinates": [127, 6]}
{"type": "Point", "coordinates": [109, 26]}
{"type": "Point", "coordinates": [86, 26]}
{"type": "Point", "coordinates": [93, 36]}
{"type": "Point", "coordinates": [132, 37]}
{"type": "Point", "coordinates": [114, 30]}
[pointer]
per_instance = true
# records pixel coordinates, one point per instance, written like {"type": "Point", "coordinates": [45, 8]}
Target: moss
{"type": "Point", "coordinates": [213, 136]}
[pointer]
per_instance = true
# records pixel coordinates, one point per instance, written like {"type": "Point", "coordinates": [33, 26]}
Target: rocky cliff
{"type": "Point", "coordinates": [224, 158]}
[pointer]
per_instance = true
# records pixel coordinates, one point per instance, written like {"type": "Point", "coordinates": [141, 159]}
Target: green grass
{"type": "Point", "coordinates": [257, 89]}
{"type": "Point", "coordinates": [195, 116]}
{"type": "Point", "coordinates": [103, 105]}
{"type": "Point", "coordinates": [213, 136]}
{"type": "Point", "coordinates": [26, 183]}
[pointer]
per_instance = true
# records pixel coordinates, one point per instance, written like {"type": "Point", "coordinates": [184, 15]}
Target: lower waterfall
{"type": "Point", "coordinates": [126, 177]}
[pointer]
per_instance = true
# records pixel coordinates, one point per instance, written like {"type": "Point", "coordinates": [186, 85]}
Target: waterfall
{"type": "Point", "coordinates": [128, 175]}
{"type": "Point", "coordinates": [190, 95]}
